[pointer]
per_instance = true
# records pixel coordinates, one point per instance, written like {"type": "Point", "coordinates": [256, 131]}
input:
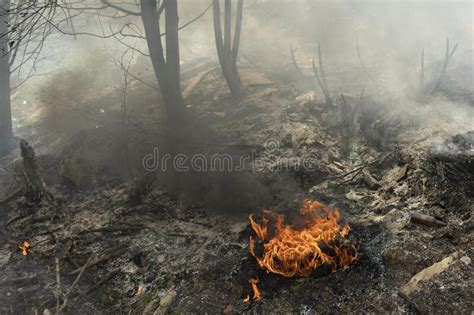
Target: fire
{"type": "Point", "coordinates": [25, 247]}
{"type": "Point", "coordinates": [290, 251]}
{"type": "Point", "coordinates": [256, 292]}
{"type": "Point", "coordinates": [139, 290]}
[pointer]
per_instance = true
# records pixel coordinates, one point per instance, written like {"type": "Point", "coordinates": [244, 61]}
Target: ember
{"type": "Point", "coordinates": [291, 251]}
{"type": "Point", "coordinates": [139, 290]}
{"type": "Point", "coordinates": [25, 247]}
{"type": "Point", "coordinates": [256, 292]}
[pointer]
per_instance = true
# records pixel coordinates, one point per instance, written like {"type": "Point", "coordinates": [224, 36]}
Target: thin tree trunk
{"type": "Point", "coordinates": [228, 54]}
{"type": "Point", "coordinates": [227, 23]}
{"type": "Point", "coordinates": [166, 71]}
{"type": "Point", "coordinates": [238, 29]}
{"type": "Point", "coordinates": [172, 56]}
{"type": "Point", "coordinates": [6, 132]}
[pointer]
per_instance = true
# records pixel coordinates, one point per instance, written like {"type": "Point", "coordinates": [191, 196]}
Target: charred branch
{"type": "Point", "coordinates": [427, 220]}
{"type": "Point", "coordinates": [448, 55]}
{"type": "Point", "coordinates": [321, 78]}
{"type": "Point", "coordinates": [35, 185]}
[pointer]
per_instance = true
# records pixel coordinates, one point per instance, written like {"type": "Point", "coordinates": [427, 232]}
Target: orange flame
{"type": "Point", "coordinates": [256, 292]}
{"type": "Point", "coordinates": [25, 247]}
{"type": "Point", "coordinates": [297, 252]}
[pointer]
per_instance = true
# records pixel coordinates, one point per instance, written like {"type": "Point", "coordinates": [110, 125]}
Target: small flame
{"type": "Point", "coordinates": [297, 252]}
{"type": "Point", "coordinates": [139, 290]}
{"type": "Point", "coordinates": [257, 296]}
{"type": "Point", "coordinates": [25, 247]}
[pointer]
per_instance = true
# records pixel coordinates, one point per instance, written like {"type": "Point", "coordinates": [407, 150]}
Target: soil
{"type": "Point", "coordinates": [182, 248]}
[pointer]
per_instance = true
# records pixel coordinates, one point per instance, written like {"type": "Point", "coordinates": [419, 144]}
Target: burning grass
{"type": "Point", "coordinates": [291, 250]}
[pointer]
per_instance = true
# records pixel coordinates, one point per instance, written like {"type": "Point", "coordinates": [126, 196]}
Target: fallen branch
{"type": "Point", "coordinates": [426, 220]}
{"type": "Point", "coordinates": [71, 288]}
{"type": "Point", "coordinates": [194, 82]}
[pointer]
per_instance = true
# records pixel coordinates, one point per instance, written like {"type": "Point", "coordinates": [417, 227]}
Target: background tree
{"type": "Point", "coordinates": [227, 49]}
{"type": "Point", "coordinates": [164, 58]}
{"type": "Point", "coordinates": [24, 25]}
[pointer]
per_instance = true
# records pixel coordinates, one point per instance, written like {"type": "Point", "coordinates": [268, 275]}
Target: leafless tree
{"type": "Point", "coordinates": [24, 25]}
{"type": "Point", "coordinates": [164, 56]}
{"type": "Point", "coordinates": [227, 49]}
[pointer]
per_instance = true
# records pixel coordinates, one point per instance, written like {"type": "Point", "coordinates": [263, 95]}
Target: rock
{"type": "Point", "coordinates": [427, 274]}
{"type": "Point", "coordinates": [466, 260]}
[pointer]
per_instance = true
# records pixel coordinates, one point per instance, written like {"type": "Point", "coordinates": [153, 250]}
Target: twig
{"type": "Point", "coordinates": [114, 253]}
{"type": "Point", "coordinates": [422, 69]}
{"type": "Point", "coordinates": [71, 288]}
{"type": "Point", "coordinates": [16, 280]}
{"type": "Point", "coordinates": [298, 70]}
{"type": "Point", "coordinates": [114, 229]}
{"type": "Point", "coordinates": [103, 281]}
{"type": "Point", "coordinates": [58, 284]}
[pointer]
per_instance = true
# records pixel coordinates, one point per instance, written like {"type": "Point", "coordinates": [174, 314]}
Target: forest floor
{"type": "Point", "coordinates": [183, 246]}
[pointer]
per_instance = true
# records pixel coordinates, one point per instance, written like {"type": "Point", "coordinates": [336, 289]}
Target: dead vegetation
{"type": "Point", "coordinates": [102, 241]}
{"type": "Point", "coordinates": [135, 248]}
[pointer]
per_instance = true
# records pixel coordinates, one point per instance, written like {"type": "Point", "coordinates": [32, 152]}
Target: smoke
{"type": "Point", "coordinates": [85, 88]}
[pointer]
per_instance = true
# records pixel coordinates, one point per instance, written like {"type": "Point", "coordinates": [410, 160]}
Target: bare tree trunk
{"type": "Point", "coordinates": [6, 133]}
{"type": "Point", "coordinates": [226, 52]}
{"type": "Point", "coordinates": [172, 54]}
{"type": "Point", "coordinates": [167, 71]}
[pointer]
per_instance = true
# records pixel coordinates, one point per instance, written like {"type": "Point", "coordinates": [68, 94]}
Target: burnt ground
{"type": "Point", "coordinates": [183, 246]}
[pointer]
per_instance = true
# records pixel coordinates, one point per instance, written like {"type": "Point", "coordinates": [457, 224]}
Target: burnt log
{"type": "Point", "coordinates": [427, 220]}
{"type": "Point", "coordinates": [35, 185]}
{"type": "Point", "coordinates": [454, 159]}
